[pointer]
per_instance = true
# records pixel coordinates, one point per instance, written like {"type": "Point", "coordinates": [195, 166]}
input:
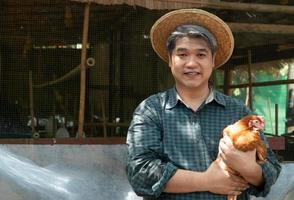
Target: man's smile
{"type": "Point", "coordinates": [192, 73]}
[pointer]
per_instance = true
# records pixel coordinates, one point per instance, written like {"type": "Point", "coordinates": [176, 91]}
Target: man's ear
{"type": "Point", "coordinates": [169, 60]}
{"type": "Point", "coordinates": [213, 59]}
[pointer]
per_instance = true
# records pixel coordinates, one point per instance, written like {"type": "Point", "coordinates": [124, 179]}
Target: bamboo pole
{"type": "Point", "coordinates": [83, 71]}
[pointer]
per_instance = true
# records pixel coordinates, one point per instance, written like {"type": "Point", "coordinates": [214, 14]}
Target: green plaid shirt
{"type": "Point", "coordinates": [165, 135]}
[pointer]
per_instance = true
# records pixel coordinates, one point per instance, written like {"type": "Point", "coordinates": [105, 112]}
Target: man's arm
{"type": "Point", "coordinates": [148, 169]}
{"type": "Point", "coordinates": [215, 179]}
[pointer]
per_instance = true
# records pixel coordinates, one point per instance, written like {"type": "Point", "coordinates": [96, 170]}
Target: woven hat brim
{"type": "Point", "coordinates": [162, 28]}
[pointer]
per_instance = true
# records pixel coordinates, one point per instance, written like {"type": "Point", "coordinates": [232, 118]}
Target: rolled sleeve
{"type": "Point", "coordinates": [150, 177]}
{"type": "Point", "coordinates": [148, 170]}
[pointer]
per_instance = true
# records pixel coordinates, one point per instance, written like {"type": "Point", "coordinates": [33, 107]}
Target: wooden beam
{"type": "Point", "coordinates": [238, 6]}
{"type": "Point", "coordinates": [253, 7]}
{"type": "Point", "coordinates": [259, 84]}
{"type": "Point", "coordinates": [236, 28]}
{"type": "Point", "coordinates": [176, 4]}
{"type": "Point", "coordinates": [262, 28]}
{"type": "Point", "coordinates": [263, 53]}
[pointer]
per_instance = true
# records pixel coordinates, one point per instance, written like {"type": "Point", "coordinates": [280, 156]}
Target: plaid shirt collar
{"type": "Point", "coordinates": [173, 98]}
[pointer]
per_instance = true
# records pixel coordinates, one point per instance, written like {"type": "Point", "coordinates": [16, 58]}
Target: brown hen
{"type": "Point", "coordinates": [245, 136]}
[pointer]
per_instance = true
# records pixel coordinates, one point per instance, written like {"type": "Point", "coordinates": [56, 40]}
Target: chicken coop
{"type": "Point", "coordinates": [73, 72]}
{"type": "Point", "coordinates": [79, 68]}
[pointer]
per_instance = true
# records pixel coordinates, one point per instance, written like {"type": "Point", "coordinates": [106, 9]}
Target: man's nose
{"type": "Point", "coordinates": [192, 61]}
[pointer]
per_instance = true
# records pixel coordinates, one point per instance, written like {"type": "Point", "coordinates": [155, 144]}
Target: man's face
{"type": "Point", "coordinates": [191, 63]}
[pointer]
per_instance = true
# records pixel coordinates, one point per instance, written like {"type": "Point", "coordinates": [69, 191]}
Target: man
{"type": "Point", "coordinates": [174, 137]}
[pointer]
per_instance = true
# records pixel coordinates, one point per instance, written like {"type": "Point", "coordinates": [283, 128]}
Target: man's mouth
{"type": "Point", "coordinates": [192, 73]}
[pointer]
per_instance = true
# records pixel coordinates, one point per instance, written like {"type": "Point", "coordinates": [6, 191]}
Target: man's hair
{"type": "Point", "coordinates": [192, 31]}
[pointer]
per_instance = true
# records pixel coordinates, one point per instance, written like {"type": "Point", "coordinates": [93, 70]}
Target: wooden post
{"type": "Point", "coordinates": [92, 121]}
{"type": "Point", "coordinates": [32, 103]}
{"type": "Point", "coordinates": [290, 104]}
{"type": "Point", "coordinates": [227, 80]}
{"type": "Point", "coordinates": [104, 117]}
{"type": "Point", "coordinates": [249, 102]}
{"type": "Point", "coordinates": [276, 119]}
{"type": "Point", "coordinates": [270, 114]}
{"type": "Point", "coordinates": [83, 71]}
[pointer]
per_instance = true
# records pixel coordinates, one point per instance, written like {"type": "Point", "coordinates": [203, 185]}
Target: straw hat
{"type": "Point", "coordinates": [162, 28]}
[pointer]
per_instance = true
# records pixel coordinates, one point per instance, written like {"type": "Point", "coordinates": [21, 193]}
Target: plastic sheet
{"type": "Point", "coordinates": [283, 189]}
{"type": "Point", "coordinates": [74, 172]}
{"type": "Point", "coordinates": [64, 172]}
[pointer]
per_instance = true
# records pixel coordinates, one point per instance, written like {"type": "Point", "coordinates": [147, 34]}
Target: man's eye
{"type": "Point", "coordinates": [182, 54]}
{"type": "Point", "coordinates": [201, 55]}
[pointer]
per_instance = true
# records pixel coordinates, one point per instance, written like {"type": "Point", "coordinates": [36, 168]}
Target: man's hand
{"type": "Point", "coordinates": [234, 158]}
{"type": "Point", "coordinates": [221, 181]}
{"type": "Point", "coordinates": [242, 162]}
